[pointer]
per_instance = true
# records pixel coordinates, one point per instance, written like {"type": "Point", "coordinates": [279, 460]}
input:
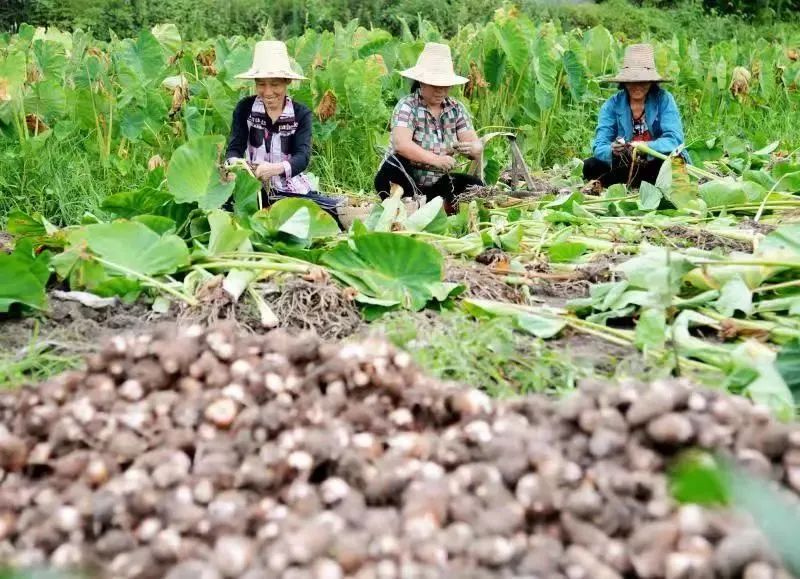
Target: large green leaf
{"type": "Point", "coordinates": [135, 247]}
{"type": "Point", "coordinates": [23, 277]}
{"type": "Point", "coordinates": [296, 220]}
{"type": "Point", "coordinates": [538, 322]}
{"type": "Point", "coordinates": [144, 201]}
{"type": "Point", "coordinates": [788, 364]}
{"type": "Point", "coordinates": [599, 47]}
{"type": "Point", "coordinates": [193, 177]}
{"type": "Point", "coordinates": [226, 235]}
{"type": "Point", "coordinates": [576, 75]}
{"type": "Point", "coordinates": [140, 62]}
{"type": "Point", "coordinates": [514, 44]}
{"type": "Point", "coordinates": [394, 269]}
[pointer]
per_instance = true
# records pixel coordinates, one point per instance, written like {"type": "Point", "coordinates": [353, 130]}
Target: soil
{"type": "Point", "coordinates": [604, 356]}
{"type": "Point", "coordinates": [752, 225]}
{"type": "Point", "coordinates": [71, 329]}
{"type": "Point", "coordinates": [704, 240]}
{"type": "Point", "coordinates": [481, 282]}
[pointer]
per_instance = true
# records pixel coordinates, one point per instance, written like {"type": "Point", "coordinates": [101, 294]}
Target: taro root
{"type": "Point", "coordinates": [211, 455]}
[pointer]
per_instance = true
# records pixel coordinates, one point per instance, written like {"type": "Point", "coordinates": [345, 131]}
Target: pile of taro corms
{"type": "Point", "coordinates": [210, 454]}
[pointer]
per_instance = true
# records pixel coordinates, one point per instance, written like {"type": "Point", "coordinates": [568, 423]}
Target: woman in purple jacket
{"type": "Point", "coordinates": [640, 112]}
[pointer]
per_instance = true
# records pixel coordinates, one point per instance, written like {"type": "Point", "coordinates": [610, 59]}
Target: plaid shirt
{"type": "Point", "coordinates": [430, 133]}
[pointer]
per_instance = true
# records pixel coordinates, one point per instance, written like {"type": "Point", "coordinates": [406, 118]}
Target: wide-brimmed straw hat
{"type": "Point", "coordinates": [435, 67]}
{"type": "Point", "coordinates": [271, 60]}
{"type": "Point", "coordinates": [639, 65]}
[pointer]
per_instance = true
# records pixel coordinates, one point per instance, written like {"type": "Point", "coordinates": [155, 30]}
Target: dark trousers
{"type": "Point", "coordinates": [620, 170]}
{"type": "Point", "coordinates": [450, 185]}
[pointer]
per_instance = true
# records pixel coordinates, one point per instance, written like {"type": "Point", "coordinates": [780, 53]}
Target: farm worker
{"type": "Point", "coordinates": [641, 111]}
{"type": "Point", "coordinates": [428, 129]}
{"type": "Point", "coordinates": [272, 132]}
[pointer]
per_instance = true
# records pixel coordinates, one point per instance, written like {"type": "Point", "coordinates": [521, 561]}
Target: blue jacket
{"type": "Point", "coordinates": [663, 121]}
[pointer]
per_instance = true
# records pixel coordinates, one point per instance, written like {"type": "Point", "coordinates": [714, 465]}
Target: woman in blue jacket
{"type": "Point", "coordinates": [641, 111]}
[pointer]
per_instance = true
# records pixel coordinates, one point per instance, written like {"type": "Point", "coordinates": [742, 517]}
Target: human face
{"type": "Point", "coordinates": [272, 91]}
{"type": "Point", "coordinates": [637, 91]}
{"type": "Point", "coordinates": [433, 95]}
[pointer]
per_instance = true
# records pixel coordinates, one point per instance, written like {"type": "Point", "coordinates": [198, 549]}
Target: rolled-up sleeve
{"type": "Point", "coordinates": [237, 142]}
{"type": "Point", "coordinates": [463, 120]}
{"type": "Point", "coordinates": [606, 132]}
{"type": "Point", "coordinates": [301, 155]}
{"type": "Point", "coordinates": [671, 126]}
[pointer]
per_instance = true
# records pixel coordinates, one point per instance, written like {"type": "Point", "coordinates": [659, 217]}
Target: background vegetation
{"type": "Point", "coordinates": [111, 104]}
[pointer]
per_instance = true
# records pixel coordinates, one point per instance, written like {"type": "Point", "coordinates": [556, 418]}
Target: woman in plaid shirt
{"type": "Point", "coordinates": [428, 129]}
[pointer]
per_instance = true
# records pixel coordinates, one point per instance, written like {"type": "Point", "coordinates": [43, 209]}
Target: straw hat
{"type": "Point", "coordinates": [639, 65]}
{"type": "Point", "coordinates": [271, 60]}
{"type": "Point", "coordinates": [435, 67]}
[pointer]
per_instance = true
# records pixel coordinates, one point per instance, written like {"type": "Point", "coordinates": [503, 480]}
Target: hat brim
{"type": "Point", "coordinates": [255, 74]}
{"type": "Point", "coordinates": [433, 80]}
{"type": "Point", "coordinates": [635, 78]}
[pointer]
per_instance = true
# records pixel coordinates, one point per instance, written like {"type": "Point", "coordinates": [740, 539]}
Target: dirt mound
{"type": "Point", "coordinates": [213, 454]}
{"type": "Point", "coordinates": [705, 240]}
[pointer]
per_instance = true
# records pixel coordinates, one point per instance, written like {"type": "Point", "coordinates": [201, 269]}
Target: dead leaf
{"type": "Point", "coordinates": [327, 106]}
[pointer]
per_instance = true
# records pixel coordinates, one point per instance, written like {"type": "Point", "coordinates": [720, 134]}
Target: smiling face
{"type": "Point", "coordinates": [637, 91]}
{"type": "Point", "coordinates": [433, 95]}
{"type": "Point", "coordinates": [272, 91]}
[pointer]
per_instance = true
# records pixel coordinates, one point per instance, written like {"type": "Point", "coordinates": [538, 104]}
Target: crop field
{"type": "Point", "coordinates": [168, 411]}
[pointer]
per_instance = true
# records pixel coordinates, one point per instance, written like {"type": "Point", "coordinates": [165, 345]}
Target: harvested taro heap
{"type": "Point", "coordinates": [210, 454]}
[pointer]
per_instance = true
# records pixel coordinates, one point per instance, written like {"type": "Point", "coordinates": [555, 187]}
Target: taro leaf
{"type": "Point", "coordinates": [245, 195]}
{"type": "Point", "coordinates": [169, 37]}
{"type": "Point", "coordinates": [649, 197]}
{"type": "Point", "coordinates": [511, 239]}
{"type": "Point", "coordinates": [300, 221]}
{"type": "Point", "coordinates": [673, 181]}
{"type": "Point", "coordinates": [140, 61]}
{"type": "Point", "coordinates": [768, 388]}
{"type": "Point", "coordinates": [515, 45]}
{"type": "Point", "coordinates": [430, 217]}
{"type": "Point", "coordinates": [566, 251]}
{"type": "Point", "coordinates": [788, 175]}
{"type": "Point", "coordinates": [699, 478]}
{"type": "Point", "coordinates": [226, 235]}
{"type": "Point", "coordinates": [143, 201]}
{"type": "Point", "coordinates": [46, 99]}
{"type": "Point", "coordinates": [788, 364]}
{"type": "Point", "coordinates": [575, 75]}
{"type": "Point", "coordinates": [658, 270]}
{"type": "Point", "coordinates": [775, 512]}
{"type": "Point", "coordinates": [133, 246]}
{"type": "Point", "coordinates": [760, 177]}
{"type": "Point", "coordinates": [157, 223]}
{"type": "Point", "coordinates": [696, 478]}
{"type": "Point", "coordinates": [388, 267]}
{"type": "Point", "coordinates": [23, 277]}
{"type": "Point", "coordinates": [192, 175]}
{"type": "Point", "coordinates": [781, 244]}
{"type": "Point", "coordinates": [540, 323]}
{"type": "Point", "coordinates": [725, 192]}
{"type": "Point", "coordinates": [651, 329]}
{"type": "Point", "coordinates": [735, 295]}
{"type": "Point", "coordinates": [599, 47]}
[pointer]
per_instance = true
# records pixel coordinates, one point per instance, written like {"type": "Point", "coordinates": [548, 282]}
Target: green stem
{"type": "Point", "coordinates": [270, 265]}
{"type": "Point", "coordinates": [777, 286]}
{"type": "Point", "coordinates": [151, 281]}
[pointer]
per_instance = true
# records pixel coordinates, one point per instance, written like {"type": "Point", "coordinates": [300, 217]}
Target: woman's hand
{"type": "Point", "coordinates": [266, 171]}
{"type": "Point", "coordinates": [619, 149]}
{"type": "Point", "coordinates": [445, 163]}
{"type": "Point", "coordinates": [471, 149]}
